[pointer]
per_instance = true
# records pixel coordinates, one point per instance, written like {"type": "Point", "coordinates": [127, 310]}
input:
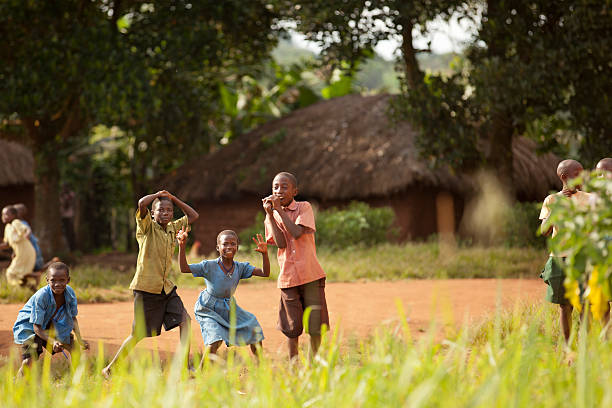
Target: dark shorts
{"type": "Point", "coordinates": [155, 309]}
{"type": "Point", "coordinates": [35, 347]}
{"type": "Point", "coordinates": [295, 300]}
{"type": "Point", "coordinates": [554, 275]}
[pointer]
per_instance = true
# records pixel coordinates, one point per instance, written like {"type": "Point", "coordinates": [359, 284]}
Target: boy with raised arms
{"type": "Point", "coordinates": [156, 302]}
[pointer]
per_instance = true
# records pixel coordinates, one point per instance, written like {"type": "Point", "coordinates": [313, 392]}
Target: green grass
{"type": "Point", "coordinates": [379, 262]}
{"type": "Point", "coordinates": [515, 359]}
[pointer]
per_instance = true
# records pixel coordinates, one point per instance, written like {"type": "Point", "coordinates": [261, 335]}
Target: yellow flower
{"type": "Point", "coordinates": [572, 293]}
{"type": "Point", "coordinates": [596, 296]}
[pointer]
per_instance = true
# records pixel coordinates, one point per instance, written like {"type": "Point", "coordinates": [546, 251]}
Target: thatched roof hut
{"type": "Point", "coordinates": [16, 164]}
{"type": "Point", "coordinates": [341, 149]}
{"type": "Point", "coordinates": [16, 176]}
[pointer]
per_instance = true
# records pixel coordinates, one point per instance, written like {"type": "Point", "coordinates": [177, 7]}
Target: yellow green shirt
{"type": "Point", "coordinates": [156, 247]}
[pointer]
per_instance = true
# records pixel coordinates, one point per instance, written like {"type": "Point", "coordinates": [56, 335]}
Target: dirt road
{"type": "Point", "coordinates": [357, 307]}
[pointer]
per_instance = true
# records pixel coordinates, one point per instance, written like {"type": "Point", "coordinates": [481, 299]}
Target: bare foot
{"type": "Point", "coordinates": [106, 372]}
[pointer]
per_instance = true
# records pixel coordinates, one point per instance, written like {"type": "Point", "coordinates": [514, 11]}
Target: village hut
{"type": "Point", "coordinates": [16, 176]}
{"type": "Point", "coordinates": [341, 150]}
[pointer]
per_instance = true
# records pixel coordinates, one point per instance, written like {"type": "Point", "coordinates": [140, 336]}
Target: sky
{"type": "Point", "coordinates": [445, 37]}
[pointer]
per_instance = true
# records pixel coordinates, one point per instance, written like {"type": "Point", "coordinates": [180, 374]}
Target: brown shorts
{"type": "Point", "coordinates": [157, 309]}
{"type": "Point", "coordinates": [34, 348]}
{"type": "Point", "coordinates": [295, 300]}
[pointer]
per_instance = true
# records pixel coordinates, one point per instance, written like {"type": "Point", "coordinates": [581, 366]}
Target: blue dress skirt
{"type": "Point", "coordinates": [216, 305]}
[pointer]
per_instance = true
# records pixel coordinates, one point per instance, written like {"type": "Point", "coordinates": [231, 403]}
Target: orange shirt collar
{"type": "Point", "coordinates": [292, 206]}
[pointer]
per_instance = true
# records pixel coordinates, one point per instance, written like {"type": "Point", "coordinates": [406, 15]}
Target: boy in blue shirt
{"type": "Point", "coordinates": [48, 318]}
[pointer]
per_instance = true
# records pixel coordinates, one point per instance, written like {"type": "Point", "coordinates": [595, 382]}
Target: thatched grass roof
{"type": "Point", "coordinates": [16, 164]}
{"type": "Point", "coordinates": [343, 148]}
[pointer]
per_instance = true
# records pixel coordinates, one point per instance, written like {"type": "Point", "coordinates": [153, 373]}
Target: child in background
{"type": "Point", "coordinates": [290, 225]}
{"type": "Point", "coordinates": [604, 167]}
{"type": "Point", "coordinates": [40, 265]}
{"type": "Point", "coordinates": [16, 236]}
{"type": "Point", "coordinates": [553, 273]}
{"type": "Point", "coordinates": [155, 296]}
{"type": "Point", "coordinates": [222, 275]}
{"type": "Point", "coordinates": [48, 318]}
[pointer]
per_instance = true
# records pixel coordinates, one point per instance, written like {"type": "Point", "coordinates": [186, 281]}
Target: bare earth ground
{"type": "Point", "coordinates": [358, 308]}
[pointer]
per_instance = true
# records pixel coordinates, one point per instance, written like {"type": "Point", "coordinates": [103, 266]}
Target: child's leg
{"type": "Point", "coordinates": [257, 349]}
{"type": "Point", "coordinates": [566, 320]}
{"type": "Point", "coordinates": [315, 342]}
{"type": "Point", "coordinates": [210, 349]}
{"type": "Point", "coordinates": [127, 346]}
{"type": "Point", "coordinates": [293, 343]}
{"type": "Point", "coordinates": [25, 362]}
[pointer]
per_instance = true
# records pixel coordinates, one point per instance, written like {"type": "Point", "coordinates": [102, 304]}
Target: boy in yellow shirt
{"type": "Point", "coordinates": [155, 296]}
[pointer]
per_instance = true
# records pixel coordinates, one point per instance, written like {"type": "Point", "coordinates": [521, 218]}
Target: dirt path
{"type": "Point", "coordinates": [357, 307]}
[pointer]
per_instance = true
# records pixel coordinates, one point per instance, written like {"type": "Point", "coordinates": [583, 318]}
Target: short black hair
{"type": "Point", "coordinates": [59, 266]}
{"type": "Point", "coordinates": [159, 200]}
{"type": "Point", "coordinates": [290, 176]}
{"type": "Point", "coordinates": [227, 232]}
{"type": "Point", "coordinates": [11, 209]}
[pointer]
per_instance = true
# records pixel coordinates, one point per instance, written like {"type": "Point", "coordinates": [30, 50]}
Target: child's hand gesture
{"type": "Point", "coordinates": [57, 346]}
{"type": "Point", "coordinates": [163, 193]}
{"type": "Point", "coordinates": [276, 203]}
{"type": "Point", "coordinates": [262, 245]}
{"type": "Point", "coordinates": [267, 205]}
{"type": "Point", "coordinates": [181, 236]}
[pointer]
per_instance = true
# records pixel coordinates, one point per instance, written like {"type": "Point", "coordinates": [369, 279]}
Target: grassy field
{"type": "Point", "coordinates": [380, 262]}
{"type": "Point", "coordinates": [515, 359]}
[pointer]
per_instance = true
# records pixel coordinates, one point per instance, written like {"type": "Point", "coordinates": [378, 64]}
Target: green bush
{"type": "Point", "coordinates": [521, 226]}
{"type": "Point", "coordinates": [357, 224]}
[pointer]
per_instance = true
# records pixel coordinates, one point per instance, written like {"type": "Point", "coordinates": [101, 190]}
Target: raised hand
{"type": "Point", "coordinates": [276, 203]}
{"type": "Point", "coordinates": [57, 346]}
{"type": "Point", "coordinates": [262, 245]}
{"type": "Point", "coordinates": [163, 193]}
{"type": "Point", "coordinates": [267, 205]}
{"type": "Point", "coordinates": [181, 236]}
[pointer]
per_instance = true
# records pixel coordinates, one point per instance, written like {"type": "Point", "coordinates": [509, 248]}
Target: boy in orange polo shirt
{"type": "Point", "coordinates": [290, 225]}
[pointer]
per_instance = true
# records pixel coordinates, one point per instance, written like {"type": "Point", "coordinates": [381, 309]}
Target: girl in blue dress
{"type": "Point", "coordinates": [222, 275]}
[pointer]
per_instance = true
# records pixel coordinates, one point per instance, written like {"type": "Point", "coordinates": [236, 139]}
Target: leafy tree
{"type": "Point", "coordinates": [151, 68]}
{"type": "Point", "coordinates": [535, 68]}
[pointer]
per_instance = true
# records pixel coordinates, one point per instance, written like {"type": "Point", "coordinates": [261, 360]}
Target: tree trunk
{"type": "Point", "coordinates": [499, 156]}
{"type": "Point", "coordinates": [414, 75]}
{"type": "Point", "coordinates": [46, 191]}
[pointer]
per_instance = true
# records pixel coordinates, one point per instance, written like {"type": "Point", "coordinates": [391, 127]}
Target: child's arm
{"type": "Point", "coordinates": [295, 230]}
{"type": "Point", "coordinates": [145, 201]}
{"type": "Point", "coordinates": [277, 234]}
{"type": "Point", "coordinates": [262, 247]}
{"type": "Point", "coordinates": [77, 331]}
{"type": "Point", "coordinates": [545, 228]}
{"type": "Point", "coordinates": [181, 237]}
{"type": "Point", "coordinates": [192, 215]}
{"type": "Point", "coordinates": [43, 334]}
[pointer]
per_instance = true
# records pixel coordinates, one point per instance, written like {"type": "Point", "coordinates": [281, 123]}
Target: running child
{"type": "Point", "coordinates": [155, 299]}
{"type": "Point", "coordinates": [48, 319]}
{"type": "Point", "coordinates": [553, 273]}
{"type": "Point", "coordinates": [40, 265]}
{"type": "Point", "coordinates": [290, 225]}
{"type": "Point", "coordinates": [222, 275]}
{"type": "Point", "coordinates": [16, 236]}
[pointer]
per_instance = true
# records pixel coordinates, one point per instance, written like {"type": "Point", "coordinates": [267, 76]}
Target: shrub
{"type": "Point", "coordinates": [521, 226]}
{"type": "Point", "coordinates": [357, 224]}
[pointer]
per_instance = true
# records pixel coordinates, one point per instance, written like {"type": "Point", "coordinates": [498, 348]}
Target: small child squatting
{"type": "Point", "coordinates": [48, 318]}
{"type": "Point", "coordinates": [222, 275]}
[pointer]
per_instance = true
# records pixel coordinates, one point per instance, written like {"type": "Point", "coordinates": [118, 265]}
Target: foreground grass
{"type": "Point", "coordinates": [514, 359]}
{"type": "Point", "coordinates": [380, 262]}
